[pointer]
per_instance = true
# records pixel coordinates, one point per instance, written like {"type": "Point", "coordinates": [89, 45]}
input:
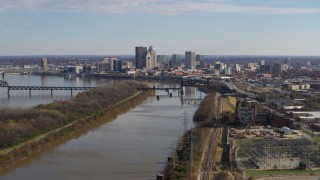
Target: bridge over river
{"type": "Point", "coordinates": [5, 84]}
{"type": "Point", "coordinates": [183, 82]}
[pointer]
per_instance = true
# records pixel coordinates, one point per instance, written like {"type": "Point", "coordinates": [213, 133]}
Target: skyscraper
{"type": "Point", "coordinates": [262, 62]}
{"type": "Point", "coordinates": [175, 61]}
{"type": "Point", "coordinates": [276, 69]}
{"type": "Point", "coordinates": [151, 60]}
{"type": "Point", "coordinates": [141, 55]}
{"type": "Point", "coordinates": [265, 68]}
{"type": "Point", "coordinates": [190, 60]}
{"type": "Point", "coordinates": [44, 63]}
{"type": "Point", "coordinates": [287, 61]}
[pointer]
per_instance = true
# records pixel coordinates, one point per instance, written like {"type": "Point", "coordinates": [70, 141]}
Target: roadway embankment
{"type": "Point", "coordinates": [26, 132]}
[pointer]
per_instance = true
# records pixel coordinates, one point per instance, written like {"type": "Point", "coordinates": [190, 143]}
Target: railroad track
{"type": "Point", "coordinates": [208, 161]}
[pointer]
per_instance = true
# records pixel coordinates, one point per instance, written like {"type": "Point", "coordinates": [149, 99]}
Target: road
{"type": "Point", "coordinates": [233, 87]}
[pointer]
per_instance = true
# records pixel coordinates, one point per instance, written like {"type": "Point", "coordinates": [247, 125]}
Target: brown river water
{"type": "Point", "coordinates": [135, 145]}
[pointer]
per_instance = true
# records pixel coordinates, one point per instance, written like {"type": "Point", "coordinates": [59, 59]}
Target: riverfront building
{"type": "Point", "coordinates": [175, 61]}
{"type": "Point", "coordinates": [141, 55]}
{"type": "Point", "coordinates": [151, 59]}
{"type": "Point", "coordinates": [190, 60]}
{"type": "Point", "coordinates": [146, 58]}
{"type": "Point", "coordinates": [44, 63]}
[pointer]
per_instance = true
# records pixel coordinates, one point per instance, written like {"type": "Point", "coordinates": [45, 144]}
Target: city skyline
{"type": "Point", "coordinates": [209, 27]}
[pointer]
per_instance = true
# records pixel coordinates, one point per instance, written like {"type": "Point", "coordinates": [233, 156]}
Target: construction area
{"type": "Point", "coordinates": [270, 149]}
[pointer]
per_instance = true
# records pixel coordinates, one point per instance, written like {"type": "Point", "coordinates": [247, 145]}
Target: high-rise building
{"type": "Point", "coordinates": [218, 66]}
{"type": "Point", "coordinates": [141, 54]}
{"type": "Point", "coordinates": [237, 67]}
{"type": "Point", "coordinates": [151, 59]}
{"type": "Point", "coordinates": [228, 71]}
{"type": "Point", "coordinates": [103, 66]}
{"type": "Point", "coordinates": [287, 61]}
{"type": "Point", "coordinates": [276, 69]}
{"type": "Point", "coordinates": [175, 61]}
{"type": "Point", "coordinates": [202, 64]}
{"type": "Point", "coordinates": [262, 62]}
{"type": "Point", "coordinates": [146, 57]}
{"type": "Point", "coordinates": [117, 65]}
{"type": "Point", "coordinates": [163, 58]}
{"type": "Point", "coordinates": [190, 60]}
{"type": "Point", "coordinates": [200, 61]}
{"type": "Point", "coordinates": [44, 63]}
{"type": "Point", "coordinates": [199, 57]}
{"type": "Point", "coordinates": [265, 68]}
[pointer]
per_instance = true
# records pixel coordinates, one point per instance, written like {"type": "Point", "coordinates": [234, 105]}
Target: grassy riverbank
{"type": "Point", "coordinates": [78, 115]}
{"type": "Point", "coordinates": [179, 167]}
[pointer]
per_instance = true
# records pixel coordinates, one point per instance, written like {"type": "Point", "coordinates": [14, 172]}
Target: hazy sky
{"type": "Point", "coordinates": [212, 27]}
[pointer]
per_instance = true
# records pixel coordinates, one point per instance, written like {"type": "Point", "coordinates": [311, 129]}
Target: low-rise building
{"type": "Point", "coordinates": [250, 112]}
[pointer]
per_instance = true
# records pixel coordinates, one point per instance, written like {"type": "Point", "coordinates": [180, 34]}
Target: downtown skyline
{"type": "Point", "coordinates": [210, 27]}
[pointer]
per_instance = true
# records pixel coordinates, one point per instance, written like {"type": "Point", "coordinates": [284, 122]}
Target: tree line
{"type": "Point", "coordinates": [206, 111]}
{"type": "Point", "coordinates": [18, 125]}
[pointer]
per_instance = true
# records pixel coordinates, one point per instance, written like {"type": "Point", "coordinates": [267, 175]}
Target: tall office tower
{"type": "Point", "coordinates": [190, 60]}
{"type": "Point", "coordinates": [44, 63]}
{"type": "Point", "coordinates": [141, 54]}
{"type": "Point", "coordinates": [237, 67]}
{"type": "Point", "coordinates": [112, 62]}
{"type": "Point", "coordinates": [287, 61]}
{"type": "Point", "coordinates": [175, 61]}
{"type": "Point", "coordinates": [218, 66]}
{"type": "Point", "coordinates": [151, 60]}
{"type": "Point", "coordinates": [163, 58]}
{"type": "Point", "coordinates": [265, 68]}
{"type": "Point", "coordinates": [262, 62]}
{"type": "Point", "coordinates": [228, 71]}
{"type": "Point", "coordinates": [200, 61]}
{"type": "Point", "coordinates": [199, 57]}
{"type": "Point", "coordinates": [276, 69]}
{"type": "Point", "coordinates": [117, 65]}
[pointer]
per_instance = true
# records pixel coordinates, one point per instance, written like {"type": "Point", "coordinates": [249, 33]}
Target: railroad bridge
{"type": "Point", "coordinates": [50, 88]}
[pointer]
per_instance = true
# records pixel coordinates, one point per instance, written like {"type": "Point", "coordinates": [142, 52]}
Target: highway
{"type": "Point", "coordinates": [233, 87]}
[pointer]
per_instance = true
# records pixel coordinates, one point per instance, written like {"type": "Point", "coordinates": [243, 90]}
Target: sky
{"type": "Point", "coordinates": [116, 27]}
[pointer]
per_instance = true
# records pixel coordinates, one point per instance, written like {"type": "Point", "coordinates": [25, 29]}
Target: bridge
{"type": "Point", "coordinates": [50, 88]}
{"type": "Point", "coordinates": [188, 101]}
{"type": "Point", "coordinates": [155, 88]}
{"type": "Point", "coordinates": [187, 81]}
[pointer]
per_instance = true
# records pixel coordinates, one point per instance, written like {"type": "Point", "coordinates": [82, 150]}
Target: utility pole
{"type": "Point", "coordinates": [191, 152]}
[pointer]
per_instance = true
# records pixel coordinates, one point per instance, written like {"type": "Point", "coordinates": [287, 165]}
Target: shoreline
{"type": "Point", "coordinates": [15, 155]}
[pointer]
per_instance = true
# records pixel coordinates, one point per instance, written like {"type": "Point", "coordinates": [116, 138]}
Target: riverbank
{"type": "Point", "coordinates": [13, 155]}
{"type": "Point", "coordinates": [208, 153]}
{"type": "Point", "coordinates": [179, 164]}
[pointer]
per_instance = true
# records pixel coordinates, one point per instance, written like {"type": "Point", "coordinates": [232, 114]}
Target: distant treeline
{"type": "Point", "coordinates": [19, 125]}
{"type": "Point", "coordinates": [207, 109]}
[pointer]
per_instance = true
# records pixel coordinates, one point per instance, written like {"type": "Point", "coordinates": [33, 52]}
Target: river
{"type": "Point", "coordinates": [135, 145]}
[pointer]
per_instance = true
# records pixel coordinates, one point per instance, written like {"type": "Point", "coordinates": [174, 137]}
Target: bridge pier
{"type": "Point", "coordinates": [51, 92]}
{"type": "Point", "coordinates": [3, 76]}
{"type": "Point", "coordinates": [71, 93]}
{"type": "Point", "coordinates": [8, 92]}
{"type": "Point", "coordinates": [181, 92]}
{"type": "Point", "coordinates": [30, 92]}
